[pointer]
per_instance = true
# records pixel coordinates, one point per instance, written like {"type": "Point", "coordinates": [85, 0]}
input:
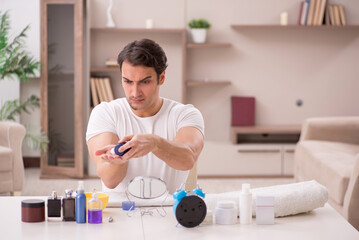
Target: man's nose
{"type": "Point", "coordinates": [136, 91]}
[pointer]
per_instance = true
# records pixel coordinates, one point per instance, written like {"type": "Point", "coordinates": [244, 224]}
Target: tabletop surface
{"type": "Point", "coordinates": [322, 223]}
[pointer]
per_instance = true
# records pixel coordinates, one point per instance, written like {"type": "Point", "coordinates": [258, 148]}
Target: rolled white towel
{"type": "Point", "coordinates": [290, 199]}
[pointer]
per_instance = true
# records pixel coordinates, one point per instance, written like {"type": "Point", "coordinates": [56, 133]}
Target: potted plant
{"type": "Point", "coordinates": [199, 29]}
{"type": "Point", "coordinates": [16, 62]}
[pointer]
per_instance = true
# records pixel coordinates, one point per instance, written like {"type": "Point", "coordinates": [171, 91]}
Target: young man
{"type": "Point", "coordinates": [165, 137]}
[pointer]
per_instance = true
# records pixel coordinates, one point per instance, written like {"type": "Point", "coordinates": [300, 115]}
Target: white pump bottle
{"type": "Point", "coordinates": [245, 204]}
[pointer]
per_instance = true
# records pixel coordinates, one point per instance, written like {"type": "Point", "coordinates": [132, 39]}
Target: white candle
{"type": "Point", "coordinates": [149, 23]}
{"type": "Point", "coordinates": [284, 18]}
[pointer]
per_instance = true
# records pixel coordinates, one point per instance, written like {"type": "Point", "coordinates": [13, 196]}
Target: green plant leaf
{"type": "Point", "coordinates": [199, 23]}
{"type": "Point", "coordinates": [14, 59]}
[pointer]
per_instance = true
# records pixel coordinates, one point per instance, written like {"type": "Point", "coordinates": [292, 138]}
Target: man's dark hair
{"type": "Point", "coordinates": [144, 52]}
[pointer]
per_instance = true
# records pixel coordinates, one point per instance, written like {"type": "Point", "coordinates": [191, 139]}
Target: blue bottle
{"type": "Point", "coordinates": [81, 204]}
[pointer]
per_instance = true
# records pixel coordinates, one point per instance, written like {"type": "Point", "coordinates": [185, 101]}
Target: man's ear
{"type": "Point", "coordinates": [162, 78]}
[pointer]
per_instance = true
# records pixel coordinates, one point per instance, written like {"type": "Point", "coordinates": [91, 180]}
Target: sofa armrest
{"type": "Point", "coordinates": [11, 136]}
{"type": "Point", "coordinates": [336, 129]}
{"type": "Point", "coordinates": [351, 199]}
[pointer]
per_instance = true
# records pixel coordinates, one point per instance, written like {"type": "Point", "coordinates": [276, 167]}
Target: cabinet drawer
{"type": "Point", "coordinates": [221, 159]}
{"type": "Point", "coordinates": [258, 161]}
{"type": "Point", "coordinates": [288, 160]}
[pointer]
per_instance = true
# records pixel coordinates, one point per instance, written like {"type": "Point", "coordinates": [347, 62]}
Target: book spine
{"type": "Point", "coordinates": [323, 3]}
{"type": "Point", "coordinates": [103, 89]}
{"type": "Point", "coordinates": [331, 15]}
{"type": "Point", "coordinates": [311, 12]}
{"type": "Point", "coordinates": [304, 14]}
{"type": "Point", "coordinates": [99, 90]}
{"type": "Point", "coordinates": [316, 13]}
{"type": "Point", "coordinates": [343, 18]}
{"type": "Point", "coordinates": [300, 13]}
{"type": "Point", "coordinates": [336, 15]}
{"type": "Point", "coordinates": [109, 89]}
{"type": "Point", "coordinates": [93, 92]}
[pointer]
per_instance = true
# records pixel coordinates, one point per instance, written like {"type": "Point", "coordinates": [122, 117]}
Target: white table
{"type": "Point", "coordinates": [323, 223]}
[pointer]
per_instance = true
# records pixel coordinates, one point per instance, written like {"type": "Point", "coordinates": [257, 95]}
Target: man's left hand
{"type": "Point", "coordinates": [140, 144]}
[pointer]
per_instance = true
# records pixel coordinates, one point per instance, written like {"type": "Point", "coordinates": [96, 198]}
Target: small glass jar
{"type": "Point", "coordinates": [54, 206]}
{"type": "Point", "coordinates": [94, 209]}
{"type": "Point", "coordinates": [68, 206]}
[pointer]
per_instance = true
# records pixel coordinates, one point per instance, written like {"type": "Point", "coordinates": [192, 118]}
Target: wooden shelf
{"type": "Point", "coordinates": [139, 30]}
{"type": "Point", "coordinates": [104, 69]}
{"type": "Point", "coordinates": [263, 130]}
{"type": "Point", "coordinates": [245, 26]}
{"type": "Point", "coordinates": [267, 129]}
{"type": "Point", "coordinates": [208, 45]}
{"type": "Point", "coordinates": [195, 83]}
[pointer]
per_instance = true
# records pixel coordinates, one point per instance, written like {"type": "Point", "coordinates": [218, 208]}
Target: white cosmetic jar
{"type": "Point", "coordinates": [226, 213]}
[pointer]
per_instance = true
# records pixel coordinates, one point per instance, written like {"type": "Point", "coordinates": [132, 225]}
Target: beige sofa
{"type": "Point", "coordinates": [11, 163]}
{"type": "Point", "coordinates": [328, 151]}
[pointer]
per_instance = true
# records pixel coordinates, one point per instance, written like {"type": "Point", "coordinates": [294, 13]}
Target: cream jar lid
{"type": "Point", "coordinates": [226, 204]}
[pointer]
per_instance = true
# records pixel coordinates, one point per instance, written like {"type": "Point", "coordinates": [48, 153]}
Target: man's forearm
{"type": "Point", "coordinates": [111, 174]}
{"type": "Point", "coordinates": [182, 153]}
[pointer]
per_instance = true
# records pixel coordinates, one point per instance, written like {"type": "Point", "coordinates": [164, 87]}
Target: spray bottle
{"type": "Point", "coordinates": [245, 204]}
{"type": "Point", "coordinates": [81, 204]}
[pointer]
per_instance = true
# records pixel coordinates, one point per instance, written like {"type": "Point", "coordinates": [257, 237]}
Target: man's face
{"type": "Point", "coordinates": [141, 88]}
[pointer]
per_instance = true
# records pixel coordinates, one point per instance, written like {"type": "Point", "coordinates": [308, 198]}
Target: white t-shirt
{"type": "Point", "coordinates": [117, 117]}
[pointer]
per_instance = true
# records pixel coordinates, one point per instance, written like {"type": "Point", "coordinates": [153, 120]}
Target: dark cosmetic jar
{"type": "Point", "coordinates": [32, 210]}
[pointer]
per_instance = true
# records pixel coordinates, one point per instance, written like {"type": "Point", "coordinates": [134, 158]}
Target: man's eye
{"type": "Point", "coordinates": [146, 82]}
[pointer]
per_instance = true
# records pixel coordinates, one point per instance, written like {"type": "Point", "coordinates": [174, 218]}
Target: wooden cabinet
{"type": "Point", "coordinates": [260, 151]}
{"type": "Point", "coordinates": [62, 81]}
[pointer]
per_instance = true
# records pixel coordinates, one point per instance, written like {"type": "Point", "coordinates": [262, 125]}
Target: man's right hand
{"type": "Point", "coordinates": [110, 168]}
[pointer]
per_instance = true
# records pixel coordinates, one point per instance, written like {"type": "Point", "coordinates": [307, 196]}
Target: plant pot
{"type": "Point", "coordinates": [199, 35]}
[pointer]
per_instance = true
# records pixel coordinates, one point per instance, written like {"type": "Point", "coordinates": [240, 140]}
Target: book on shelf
{"type": "Point", "coordinates": [111, 62]}
{"type": "Point", "coordinates": [304, 13]}
{"type": "Point", "coordinates": [336, 15]}
{"type": "Point", "coordinates": [94, 95]}
{"type": "Point", "coordinates": [300, 13]}
{"type": "Point", "coordinates": [311, 12]}
{"type": "Point", "coordinates": [343, 18]}
{"type": "Point", "coordinates": [108, 88]}
{"type": "Point", "coordinates": [326, 16]}
{"type": "Point", "coordinates": [323, 4]}
{"type": "Point", "coordinates": [331, 15]}
{"type": "Point", "coordinates": [101, 90]}
{"type": "Point", "coordinates": [316, 12]}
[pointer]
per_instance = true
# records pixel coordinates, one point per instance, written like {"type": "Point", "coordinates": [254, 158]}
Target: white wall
{"type": "Point", "coordinates": [22, 13]}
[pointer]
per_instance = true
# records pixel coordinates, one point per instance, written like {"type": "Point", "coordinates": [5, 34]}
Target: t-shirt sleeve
{"type": "Point", "coordinates": [190, 116]}
{"type": "Point", "coordinates": [101, 120]}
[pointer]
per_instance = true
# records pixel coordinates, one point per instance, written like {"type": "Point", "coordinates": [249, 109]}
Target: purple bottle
{"type": "Point", "coordinates": [94, 209]}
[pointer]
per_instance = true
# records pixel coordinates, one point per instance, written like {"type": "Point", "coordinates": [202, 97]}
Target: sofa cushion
{"type": "Point", "coordinates": [5, 159]}
{"type": "Point", "coordinates": [330, 163]}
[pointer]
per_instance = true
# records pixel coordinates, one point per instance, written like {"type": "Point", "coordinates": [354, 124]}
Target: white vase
{"type": "Point", "coordinates": [199, 35]}
{"type": "Point", "coordinates": [110, 22]}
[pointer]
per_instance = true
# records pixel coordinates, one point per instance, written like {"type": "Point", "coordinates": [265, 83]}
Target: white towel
{"type": "Point", "coordinates": [290, 199]}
